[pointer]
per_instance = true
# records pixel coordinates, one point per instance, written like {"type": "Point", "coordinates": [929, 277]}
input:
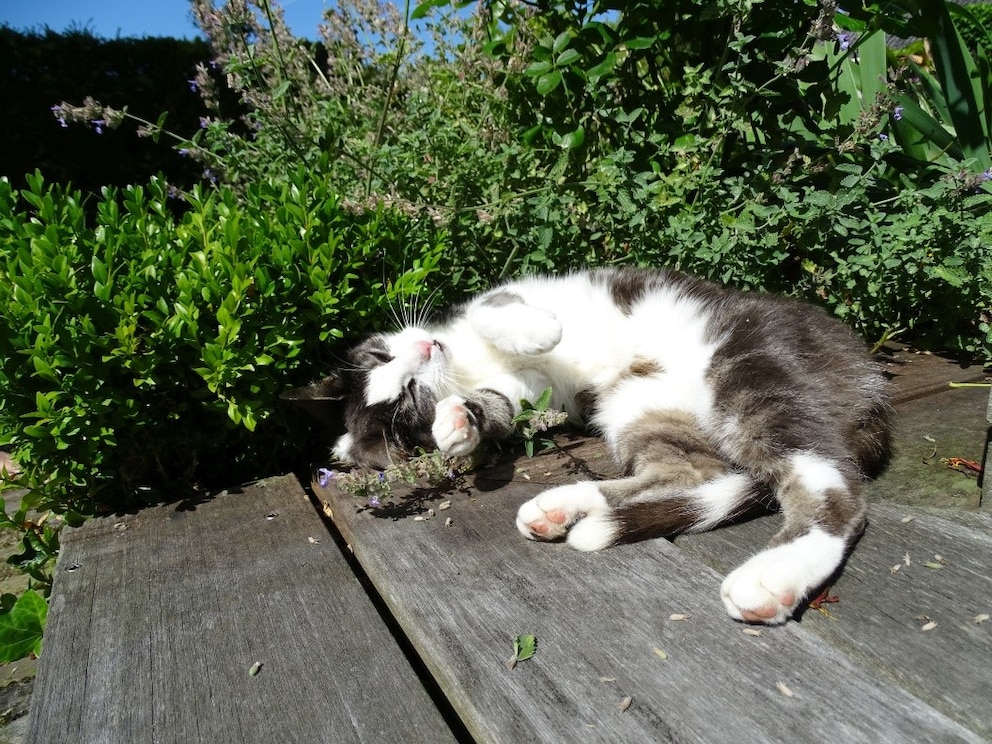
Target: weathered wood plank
{"type": "Point", "coordinates": [157, 618]}
{"type": "Point", "coordinates": [918, 374]}
{"type": "Point", "coordinates": [883, 603]}
{"type": "Point", "coordinates": [462, 591]}
{"type": "Point", "coordinates": [929, 431]}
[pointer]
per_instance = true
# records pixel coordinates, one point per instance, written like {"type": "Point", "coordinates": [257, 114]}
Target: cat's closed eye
{"type": "Point", "coordinates": [383, 357]}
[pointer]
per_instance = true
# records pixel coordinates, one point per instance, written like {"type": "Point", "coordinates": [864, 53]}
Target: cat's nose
{"type": "Point", "coordinates": [425, 348]}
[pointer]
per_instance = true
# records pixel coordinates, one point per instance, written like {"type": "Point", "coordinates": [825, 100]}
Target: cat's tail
{"type": "Point", "coordinates": [871, 442]}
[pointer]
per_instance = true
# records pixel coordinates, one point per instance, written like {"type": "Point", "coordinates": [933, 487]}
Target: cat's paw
{"type": "Point", "coordinates": [454, 428]}
{"type": "Point", "coordinates": [540, 335]}
{"type": "Point", "coordinates": [577, 512]}
{"type": "Point", "coordinates": [518, 329]}
{"type": "Point", "coordinates": [770, 586]}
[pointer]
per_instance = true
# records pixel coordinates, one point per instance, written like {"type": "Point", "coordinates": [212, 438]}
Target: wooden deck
{"type": "Point", "coordinates": [249, 617]}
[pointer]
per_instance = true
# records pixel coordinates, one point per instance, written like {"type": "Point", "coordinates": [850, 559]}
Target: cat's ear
{"type": "Point", "coordinates": [320, 398]}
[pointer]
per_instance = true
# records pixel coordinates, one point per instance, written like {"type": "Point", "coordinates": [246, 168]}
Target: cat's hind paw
{"type": "Point", "coordinates": [518, 329]}
{"type": "Point", "coordinates": [578, 512]}
{"type": "Point", "coordinates": [770, 586]}
{"type": "Point", "coordinates": [454, 428]}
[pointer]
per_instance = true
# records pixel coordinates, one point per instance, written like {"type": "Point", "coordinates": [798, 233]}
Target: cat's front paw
{"type": "Point", "coordinates": [577, 512]}
{"type": "Point", "coordinates": [771, 586]}
{"type": "Point", "coordinates": [454, 429]}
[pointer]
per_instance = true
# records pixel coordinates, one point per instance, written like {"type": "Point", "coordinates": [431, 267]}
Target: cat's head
{"type": "Point", "coordinates": [389, 386]}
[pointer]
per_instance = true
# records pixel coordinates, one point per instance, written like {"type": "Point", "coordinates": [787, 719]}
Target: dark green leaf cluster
{"type": "Point", "coordinates": [144, 350]}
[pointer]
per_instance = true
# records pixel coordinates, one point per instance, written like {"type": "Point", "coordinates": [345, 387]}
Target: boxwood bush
{"type": "Point", "coordinates": [144, 350]}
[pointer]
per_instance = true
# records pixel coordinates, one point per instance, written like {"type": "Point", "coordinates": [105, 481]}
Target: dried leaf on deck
{"type": "Point", "coordinates": [784, 689]}
{"type": "Point", "coordinates": [659, 653]}
{"type": "Point", "coordinates": [678, 617]}
{"type": "Point", "coordinates": [928, 626]}
{"type": "Point", "coordinates": [625, 703]}
{"type": "Point", "coordinates": [979, 619]}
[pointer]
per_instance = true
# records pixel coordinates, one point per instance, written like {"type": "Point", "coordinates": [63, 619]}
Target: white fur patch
{"type": "Point", "coordinates": [517, 328]}
{"type": "Point", "coordinates": [771, 585]}
{"type": "Point", "coordinates": [342, 447]}
{"type": "Point", "coordinates": [816, 474]}
{"type": "Point", "coordinates": [718, 498]}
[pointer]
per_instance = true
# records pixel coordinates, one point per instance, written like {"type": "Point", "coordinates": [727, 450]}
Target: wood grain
{"type": "Point", "coordinates": [157, 619]}
{"type": "Point", "coordinates": [463, 590]}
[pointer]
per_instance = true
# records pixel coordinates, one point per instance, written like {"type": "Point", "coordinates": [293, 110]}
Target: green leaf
{"type": "Point", "coordinates": [873, 67]}
{"type": "Point", "coordinates": [561, 41]}
{"type": "Point", "coordinates": [547, 83]}
{"type": "Point", "coordinates": [159, 126]}
{"type": "Point", "coordinates": [567, 57]}
{"type": "Point", "coordinates": [959, 78]}
{"type": "Point", "coordinates": [640, 42]}
{"type": "Point", "coordinates": [21, 629]}
{"type": "Point", "coordinates": [571, 140]}
{"type": "Point", "coordinates": [544, 401]}
{"type": "Point", "coordinates": [524, 647]}
{"type": "Point", "coordinates": [603, 68]}
{"type": "Point", "coordinates": [422, 9]}
{"type": "Point", "coordinates": [44, 369]}
{"type": "Point", "coordinates": [538, 68]}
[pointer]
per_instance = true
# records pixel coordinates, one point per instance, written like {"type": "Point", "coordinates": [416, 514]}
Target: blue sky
{"type": "Point", "coordinates": [112, 18]}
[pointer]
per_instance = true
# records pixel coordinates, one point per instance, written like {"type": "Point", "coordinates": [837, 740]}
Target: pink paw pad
{"type": "Point", "coordinates": [765, 613]}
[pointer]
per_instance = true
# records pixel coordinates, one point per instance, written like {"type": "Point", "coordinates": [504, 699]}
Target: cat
{"type": "Point", "coordinates": [712, 400]}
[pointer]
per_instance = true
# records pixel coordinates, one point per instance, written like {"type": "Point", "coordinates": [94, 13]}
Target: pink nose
{"type": "Point", "coordinates": [425, 348]}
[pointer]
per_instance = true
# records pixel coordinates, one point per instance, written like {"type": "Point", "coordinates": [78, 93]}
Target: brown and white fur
{"type": "Point", "coordinates": [711, 400]}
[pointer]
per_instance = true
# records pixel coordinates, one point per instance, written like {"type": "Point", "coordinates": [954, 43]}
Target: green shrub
{"type": "Point", "coordinates": [143, 350]}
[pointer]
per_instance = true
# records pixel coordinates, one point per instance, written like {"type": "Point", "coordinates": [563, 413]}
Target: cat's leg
{"type": "Point", "coordinates": [460, 424]}
{"type": "Point", "coordinates": [513, 326]}
{"type": "Point", "coordinates": [592, 515]}
{"type": "Point", "coordinates": [678, 483]}
{"type": "Point", "coordinates": [825, 514]}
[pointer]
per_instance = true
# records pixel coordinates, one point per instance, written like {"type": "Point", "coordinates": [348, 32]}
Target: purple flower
{"type": "Point", "coordinates": [844, 40]}
{"type": "Point", "coordinates": [986, 176]}
{"type": "Point", "coordinates": [897, 113]}
{"type": "Point", "coordinates": [192, 85]}
{"type": "Point", "coordinates": [98, 125]}
{"type": "Point", "coordinates": [324, 476]}
{"type": "Point", "coordinates": [382, 476]}
{"type": "Point", "coordinates": [204, 122]}
{"type": "Point", "coordinates": [884, 137]}
{"type": "Point", "coordinates": [374, 501]}
{"type": "Point", "coordinates": [57, 110]}
{"type": "Point", "coordinates": [184, 151]}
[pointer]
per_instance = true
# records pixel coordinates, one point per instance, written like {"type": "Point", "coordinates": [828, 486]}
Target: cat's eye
{"type": "Point", "coordinates": [383, 357]}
